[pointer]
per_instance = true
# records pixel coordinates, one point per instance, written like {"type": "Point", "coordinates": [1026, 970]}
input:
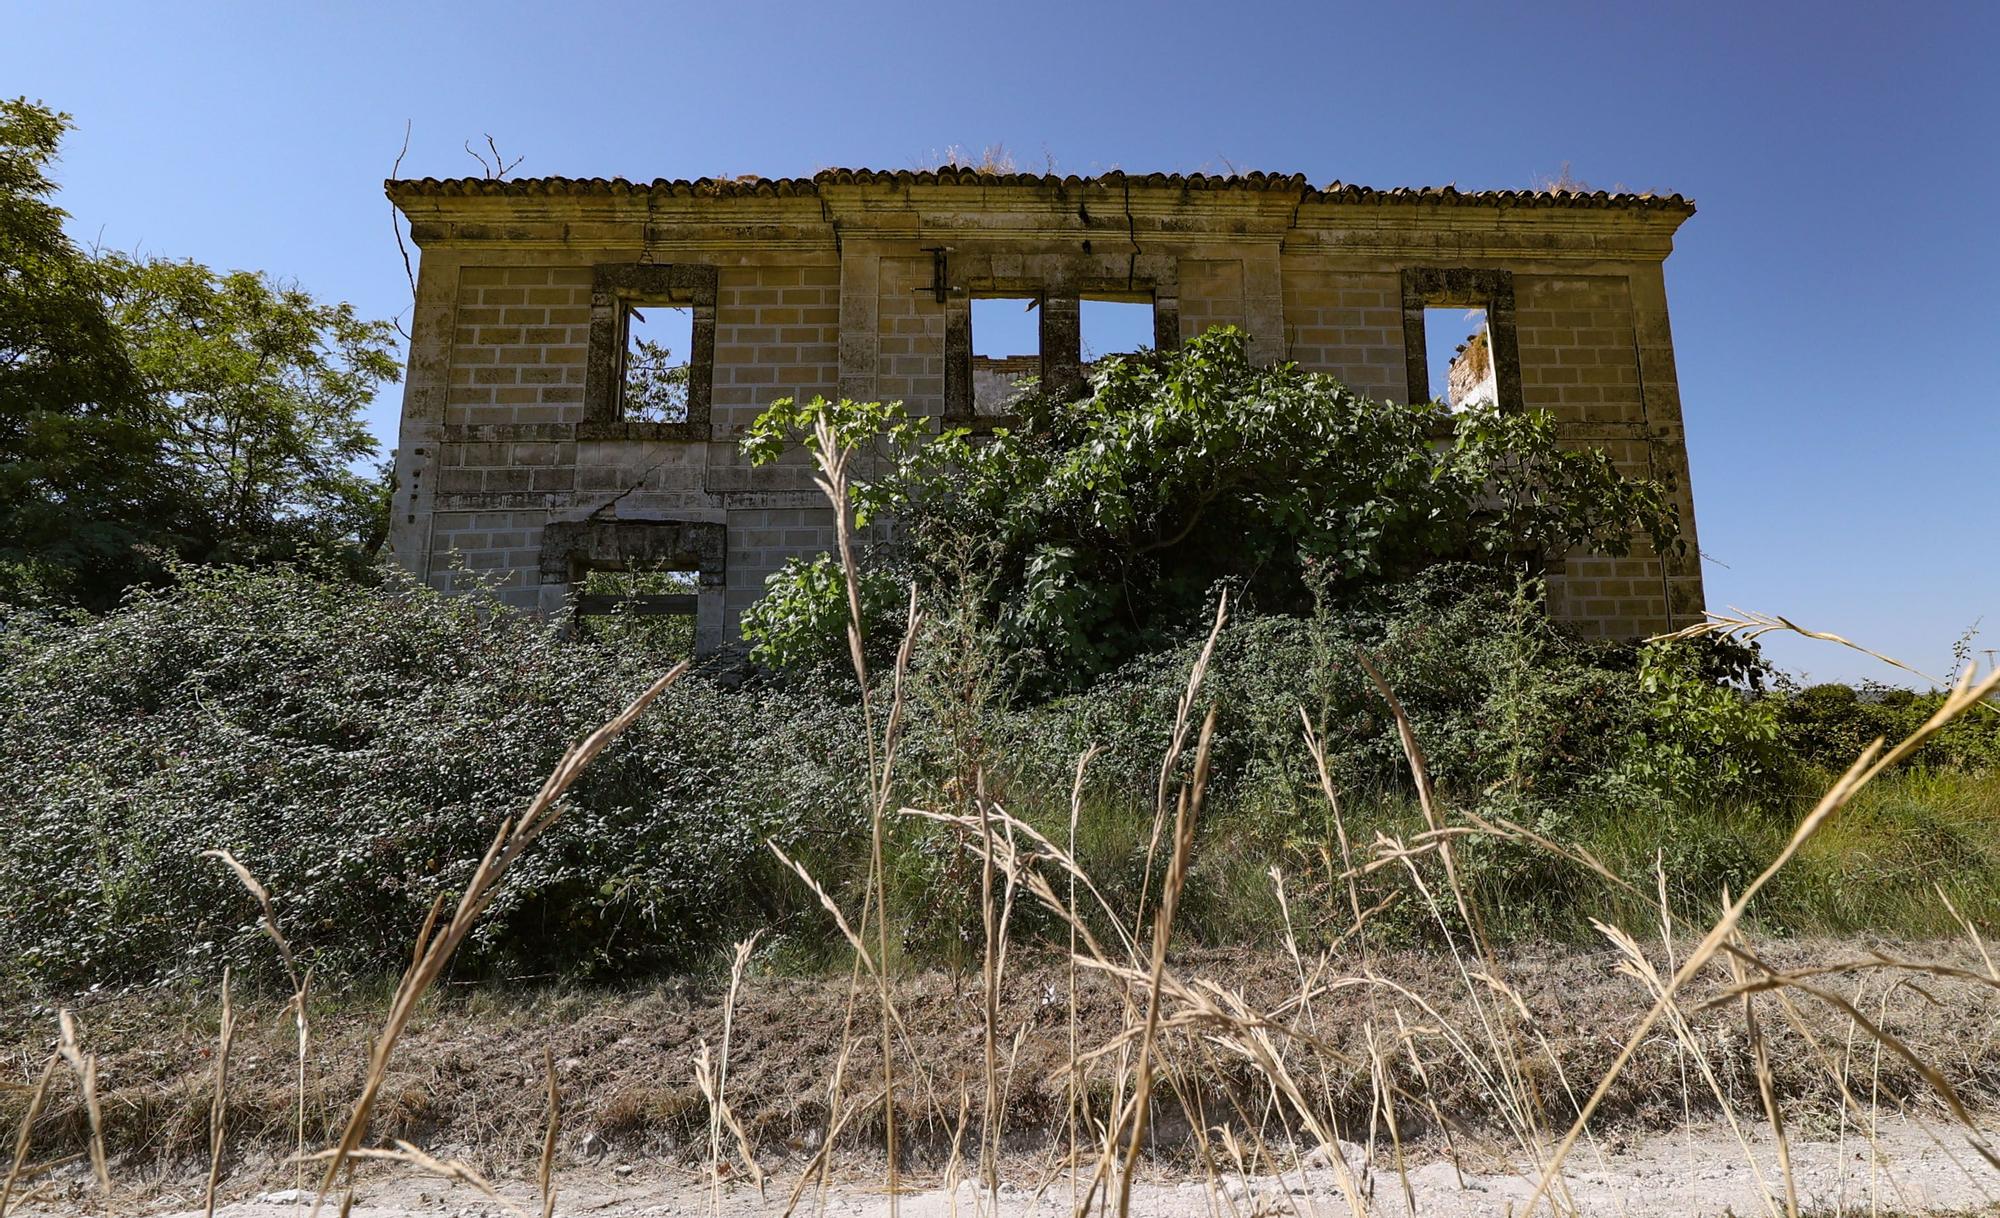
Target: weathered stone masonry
{"type": "Point", "coordinates": [514, 463]}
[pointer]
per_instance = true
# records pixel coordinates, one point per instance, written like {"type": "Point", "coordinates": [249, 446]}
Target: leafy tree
{"type": "Point", "coordinates": [156, 408]}
{"type": "Point", "coordinates": [259, 388]}
{"type": "Point", "coordinates": [83, 477]}
{"type": "Point", "coordinates": [1110, 518]}
{"type": "Point", "coordinates": [656, 384]}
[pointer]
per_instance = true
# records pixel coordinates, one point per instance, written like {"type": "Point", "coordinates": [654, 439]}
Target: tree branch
{"type": "Point", "coordinates": [396, 226]}
{"type": "Point", "coordinates": [1194, 518]}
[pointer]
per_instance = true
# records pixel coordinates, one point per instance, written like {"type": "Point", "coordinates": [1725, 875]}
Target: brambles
{"type": "Point", "coordinates": [355, 747]}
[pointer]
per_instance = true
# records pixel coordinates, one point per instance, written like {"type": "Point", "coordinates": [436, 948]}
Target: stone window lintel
{"type": "Point", "coordinates": [1474, 287]}
{"type": "Point", "coordinates": [572, 547]}
{"type": "Point", "coordinates": [1061, 298]}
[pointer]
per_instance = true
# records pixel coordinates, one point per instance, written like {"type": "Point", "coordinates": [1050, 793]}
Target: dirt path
{"type": "Point", "coordinates": [1917, 1167]}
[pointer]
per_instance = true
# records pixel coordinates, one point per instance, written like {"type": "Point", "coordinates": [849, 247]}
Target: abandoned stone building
{"type": "Point", "coordinates": [546, 437]}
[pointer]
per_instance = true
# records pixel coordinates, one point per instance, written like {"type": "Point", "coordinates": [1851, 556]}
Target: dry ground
{"type": "Point", "coordinates": [1915, 1168]}
{"type": "Point", "coordinates": [468, 1080]}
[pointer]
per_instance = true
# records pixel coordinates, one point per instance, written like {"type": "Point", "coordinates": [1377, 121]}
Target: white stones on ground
{"type": "Point", "coordinates": [1353, 1154]}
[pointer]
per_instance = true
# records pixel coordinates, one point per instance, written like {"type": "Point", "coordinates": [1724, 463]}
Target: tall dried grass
{"type": "Point", "coordinates": [1496, 1045]}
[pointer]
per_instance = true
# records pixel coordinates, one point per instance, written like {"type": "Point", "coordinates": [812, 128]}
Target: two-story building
{"type": "Point", "coordinates": [587, 353]}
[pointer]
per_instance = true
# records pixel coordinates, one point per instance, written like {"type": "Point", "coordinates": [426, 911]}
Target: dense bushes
{"type": "Point", "coordinates": [358, 746]}
{"type": "Point", "coordinates": [1826, 725]}
{"type": "Point", "coordinates": [1637, 754]}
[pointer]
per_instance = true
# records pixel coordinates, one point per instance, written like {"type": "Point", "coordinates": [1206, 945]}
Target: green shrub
{"type": "Point", "coordinates": [1704, 743]}
{"type": "Point", "coordinates": [1826, 726]}
{"type": "Point", "coordinates": [800, 623]}
{"type": "Point", "coordinates": [357, 748]}
{"type": "Point", "coordinates": [1638, 754]}
{"type": "Point", "coordinates": [1503, 700]}
{"type": "Point", "coordinates": [1107, 521]}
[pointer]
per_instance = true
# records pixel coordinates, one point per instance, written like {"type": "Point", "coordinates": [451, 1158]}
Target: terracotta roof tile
{"type": "Point", "coordinates": [750, 186]}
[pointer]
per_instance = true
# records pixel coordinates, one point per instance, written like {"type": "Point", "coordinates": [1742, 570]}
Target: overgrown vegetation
{"type": "Point", "coordinates": [1100, 526]}
{"type": "Point", "coordinates": [1233, 655]}
{"type": "Point", "coordinates": [356, 746]}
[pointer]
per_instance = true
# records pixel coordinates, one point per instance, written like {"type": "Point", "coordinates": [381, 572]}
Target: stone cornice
{"type": "Point", "coordinates": [1157, 212]}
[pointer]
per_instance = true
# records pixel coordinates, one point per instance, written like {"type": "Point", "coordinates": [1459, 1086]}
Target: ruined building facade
{"type": "Point", "coordinates": [526, 458]}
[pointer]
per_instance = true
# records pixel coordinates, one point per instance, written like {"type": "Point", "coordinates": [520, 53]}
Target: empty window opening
{"type": "Point", "coordinates": [659, 340]}
{"type": "Point", "coordinates": [1006, 350]}
{"type": "Point", "coordinates": [1459, 351]}
{"type": "Point", "coordinates": [1114, 327]}
{"type": "Point", "coordinates": [649, 610]}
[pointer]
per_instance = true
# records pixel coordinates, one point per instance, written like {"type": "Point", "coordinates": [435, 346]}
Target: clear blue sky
{"type": "Point", "coordinates": [1834, 301]}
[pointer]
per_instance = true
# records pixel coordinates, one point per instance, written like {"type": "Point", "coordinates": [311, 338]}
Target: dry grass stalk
{"type": "Point", "coordinates": [839, 1111]}
{"type": "Point", "coordinates": [954, 1156]}
{"type": "Point", "coordinates": [1870, 764]}
{"type": "Point", "coordinates": [84, 1067]}
{"type": "Point", "coordinates": [1521, 1098]}
{"type": "Point", "coordinates": [1971, 932]}
{"type": "Point", "coordinates": [827, 903]}
{"type": "Point", "coordinates": [1187, 810]}
{"type": "Point", "coordinates": [712, 1077]}
{"type": "Point", "coordinates": [1318, 753]}
{"type": "Point", "coordinates": [1633, 963]}
{"type": "Point", "coordinates": [989, 1006]}
{"type": "Point", "coordinates": [218, 1110]}
{"type": "Point", "coordinates": [268, 918]}
{"type": "Point", "coordinates": [545, 1169]}
{"type": "Point", "coordinates": [409, 1156]}
{"type": "Point", "coordinates": [1291, 945]}
{"type": "Point", "coordinates": [434, 947]}
{"type": "Point", "coordinates": [1076, 1103]}
{"type": "Point", "coordinates": [24, 1134]}
{"type": "Point", "coordinates": [1176, 745]}
{"type": "Point", "coordinates": [1424, 1081]}
{"type": "Point", "coordinates": [1229, 1021]}
{"type": "Point", "coordinates": [301, 984]}
{"type": "Point", "coordinates": [1767, 1091]}
{"type": "Point", "coordinates": [1774, 978]}
{"type": "Point", "coordinates": [994, 1126]}
{"type": "Point", "coordinates": [1748, 627]}
{"type": "Point", "coordinates": [833, 460]}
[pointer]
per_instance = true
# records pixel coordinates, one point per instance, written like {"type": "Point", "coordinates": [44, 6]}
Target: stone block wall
{"type": "Point", "coordinates": [858, 284]}
{"type": "Point", "coordinates": [518, 345]}
{"type": "Point", "coordinates": [1349, 324]}
{"type": "Point", "coordinates": [909, 364]}
{"type": "Point", "coordinates": [1581, 360]}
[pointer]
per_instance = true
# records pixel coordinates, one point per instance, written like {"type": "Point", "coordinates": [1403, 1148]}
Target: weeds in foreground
{"type": "Point", "coordinates": [1177, 1028]}
{"type": "Point", "coordinates": [1213, 1020]}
